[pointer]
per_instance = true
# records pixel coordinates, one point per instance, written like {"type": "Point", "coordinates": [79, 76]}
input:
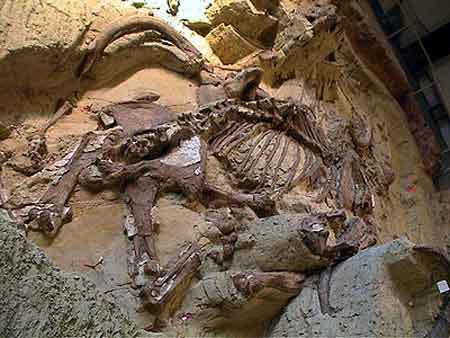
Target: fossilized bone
{"type": "Point", "coordinates": [208, 121]}
{"type": "Point", "coordinates": [223, 231]}
{"type": "Point", "coordinates": [164, 295]}
{"type": "Point", "coordinates": [65, 109]}
{"type": "Point", "coordinates": [147, 178]}
{"type": "Point", "coordinates": [182, 169]}
{"type": "Point", "coordinates": [269, 146]}
{"type": "Point", "coordinates": [33, 160]}
{"type": "Point", "coordinates": [141, 197]}
{"type": "Point", "coordinates": [130, 25]}
{"type": "Point", "coordinates": [285, 117]}
{"type": "Point", "coordinates": [262, 203]}
{"type": "Point", "coordinates": [295, 242]}
{"type": "Point", "coordinates": [267, 121]}
{"type": "Point", "coordinates": [51, 211]}
{"type": "Point", "coordinates": [114, 31]}
{"type": "Point", "coordinates": [352, 188]}
{"type": "Point", "coordinates": [255, 105]}
{"type": "Point", "coordinates": [231, 298]}
{"type": "Point", "coordinates": [270, 257]}
{"type": "Point", "coordinates": [137, 163]}
{"type": "Point", "coordinates": [324, 291]}
{"type": "Point", "coordinates": [140, 95]}
{"type": "Point", "coordinates": [244, 85]}
{"type": "Point", "coordinates": [94, 51]}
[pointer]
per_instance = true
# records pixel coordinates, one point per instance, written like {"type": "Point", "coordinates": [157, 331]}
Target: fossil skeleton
{"type": "Point", "coordinates": [269, 146]}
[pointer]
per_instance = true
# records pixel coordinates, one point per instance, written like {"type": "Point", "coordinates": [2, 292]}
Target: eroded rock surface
{"type": "Point", "coordinates": [242, 15]}
{"type": "Point", "coordinates": [369, 295]}
{"type": "Point", "coordinates": [40, 300]}
{"type": "Point", "coordinates": [228, 45]}
{"type": "Point", "coordinates": [30, 45]}
{"type": "Point", "coordinates": [235, 299]}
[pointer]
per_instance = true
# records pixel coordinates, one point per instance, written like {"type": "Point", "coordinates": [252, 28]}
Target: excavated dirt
{"type": "Point", "coordinates": [50, 302]}
{"type": "Point", "coordinates": [411, 207]}
{"type": "Point", "coordinates": [96, 230]}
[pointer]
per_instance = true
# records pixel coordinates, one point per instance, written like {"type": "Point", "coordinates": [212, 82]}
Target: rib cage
{"type": "Point", "coordinates": [262, 159]}
{"type": "Point", "coordinates": [268, 145]}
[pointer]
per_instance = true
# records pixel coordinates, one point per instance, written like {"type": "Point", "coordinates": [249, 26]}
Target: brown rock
{"type": "Point", "coordinates": [39, 67]}
{"type": "Point", "coordinates": [298, 31]}
{"type": "Point", "coordinates": [265, 4]}
{"type": "Point", "coordinates": [305, 35]}
{"type": "Point", "coordinates": [243, 15]}
{"type": "Point", "coordinates": [368, 42]}
{"type": "Point", "coordinates": [228, 45]}
{"type": "Point", "coordinates": [4, 131]}
{"type": "Point", "coordinates": [199, 26]}
{"type": "Point", "coordinates": [241, 299]}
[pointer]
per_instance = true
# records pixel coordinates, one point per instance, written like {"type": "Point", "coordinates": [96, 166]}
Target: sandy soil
{"type": "Point", "coordinates": [96, 229]}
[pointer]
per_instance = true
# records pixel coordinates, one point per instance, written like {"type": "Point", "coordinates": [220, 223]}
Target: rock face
{"type": "Point", "coordinates": [228, 45]}
{"type": "Point", "coordinates": [235, 298]}
{"type": "Point", "coordinates": [39, 300]}
{"type": "Point", "coordinates": [269, 147]}
{"type": "Point", "coordinates": [53, 56]}
{"type": "Point", "coordinates": [385, 291]}
{"type": "Point", "coordinates": [39, 67]}
{"type": "Point", "coordinates": [305, 37]}
{"type": "Point", "coordinates": [371, 46]}
{"type": "Point", "coordinates": [266, 4]}
{"type": "Point", "coordinates": [242, 15]}
{"type": "Point", "coordinates": [239, 28]}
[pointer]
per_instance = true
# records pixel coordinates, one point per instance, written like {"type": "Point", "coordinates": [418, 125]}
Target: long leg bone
{"type": "Point", "coordinates": [251, 284]}
{"type": "Point", "coordinates": [142, 195]}
{"type": "Point", "coordinates": [64, 109]}
{"type": "Point", "coordinates": [262, 204]}
{"type": "Point", "coordinates": [164, 295]}
{"type": "Point", "coordinates": [182, 169]}
{"type": "Point", "coordinates": [51, 211]}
